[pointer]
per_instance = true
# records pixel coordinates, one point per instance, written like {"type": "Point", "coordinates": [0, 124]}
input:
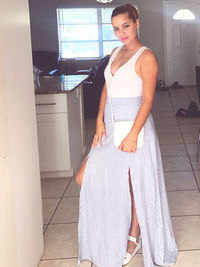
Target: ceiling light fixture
{"type": "Point", "coordinates": [104, 1]}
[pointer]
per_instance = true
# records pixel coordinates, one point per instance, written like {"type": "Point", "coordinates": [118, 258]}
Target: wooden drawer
{"type": "Point", "coordinates": [51, 103]}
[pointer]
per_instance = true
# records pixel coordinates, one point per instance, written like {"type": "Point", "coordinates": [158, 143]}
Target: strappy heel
{"type": "Point", "coordinates": [129, 256]}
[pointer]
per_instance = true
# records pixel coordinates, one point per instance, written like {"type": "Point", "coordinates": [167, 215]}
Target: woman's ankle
{"type": "Point", "coordinates": [135, 232]}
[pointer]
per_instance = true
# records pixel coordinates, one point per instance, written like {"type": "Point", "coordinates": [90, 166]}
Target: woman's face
{"type": "Point", "coordinates": [124, 28]}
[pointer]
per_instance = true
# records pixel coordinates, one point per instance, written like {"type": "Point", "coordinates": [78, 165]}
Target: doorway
{"type": "Point", "coordinates": [181, 40]}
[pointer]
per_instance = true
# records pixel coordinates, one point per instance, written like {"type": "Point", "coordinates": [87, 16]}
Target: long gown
{"type": "Point", "coordinates": [105, 201]}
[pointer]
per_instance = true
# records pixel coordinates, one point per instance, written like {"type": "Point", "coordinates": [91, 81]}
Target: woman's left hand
{"type": "Point", "coordinates": [128, 144]}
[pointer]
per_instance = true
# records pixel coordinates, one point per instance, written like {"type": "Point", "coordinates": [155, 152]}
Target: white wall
{"type": "Point", "coordinates": [44, 27]}
{"type": "Point", "coordinates": [21, 235]}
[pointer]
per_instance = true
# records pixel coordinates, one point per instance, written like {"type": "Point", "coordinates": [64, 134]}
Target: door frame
{"type": "Point", "coordinates": [166, 5]}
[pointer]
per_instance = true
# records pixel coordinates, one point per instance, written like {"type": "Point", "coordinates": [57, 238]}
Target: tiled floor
{"type": "Point", "coordinates": [177, 138]}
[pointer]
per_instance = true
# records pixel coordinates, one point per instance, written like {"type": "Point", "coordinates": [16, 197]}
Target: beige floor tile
{"type": "Point", "coordinates": [85, 263]}
{"type": "Point", "coordinates": [165, 114]}
{"type": "Point", "coordinates": [184, 202]}
{"type": "Point", "coordinates": [195, 163]}
{"type": "Point", "coordinates": [180, 180]}
{"type": "Point", "coordinates": [166, 139]}
{"type": "Point", "coordinates": [180, 104]}
{"type": "Point", "coordinates": [61, 241]}
{"type": "Point", "coordinates": [49, 206]}
{"type": "Point", "coordinates": [64, 263]}
{"type": "Point", "coordinates": [137, 261]}
{"type": "Point", "coordinates": [188, 121]}
{"type": "Point", "coordinates": [73, 189]}
{"type": "Point", "coordinates": [190, 138]}
{"type": "Point", "coordinates": [192, 128]}
{"type": "Point", "coordinates": [176, 163]}
{"type": "Point", "coordinates": [191, 149]}
{"type": "Point", "coordinates": [53, 187]}
{"type": "Point", "coordinates": [167, 129]}
{"type": "Point", "coordinates": [158, 100]}
{"type": "Point", "coordinates": [58, 263]}
{"type": "Point", "coordinates": [67, 211]}
{"type": "Point", "coordinates": [161, 108]}
{"type": "Point", "coordinates": [173, 150]}
{"type": "Point", "coordinates": [187, 232]}
{"type": "Point", "coordinates": [165, 121]}
{"type": "Point", "coordinates": [197, 174]}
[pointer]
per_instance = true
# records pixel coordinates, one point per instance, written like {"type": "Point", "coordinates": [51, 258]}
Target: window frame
{"type": "Point", "coordinates": [184, 20]}
{"type": "Point", "coordinates": [100, 31]}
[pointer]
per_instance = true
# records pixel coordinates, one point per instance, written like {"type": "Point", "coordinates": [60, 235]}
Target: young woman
{"type": "Point", "coordinates": [123, 201]}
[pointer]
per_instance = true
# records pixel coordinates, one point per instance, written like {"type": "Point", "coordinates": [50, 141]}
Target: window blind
{"type": "Point", "coordinates": [85, 32]}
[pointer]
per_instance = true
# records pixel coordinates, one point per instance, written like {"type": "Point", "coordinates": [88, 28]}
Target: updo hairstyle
{"type": "Point", "coordinates": [128, 8]}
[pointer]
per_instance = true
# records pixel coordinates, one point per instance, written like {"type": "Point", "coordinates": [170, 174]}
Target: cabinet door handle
{"type": "Point", "coordinates": [46, 104]}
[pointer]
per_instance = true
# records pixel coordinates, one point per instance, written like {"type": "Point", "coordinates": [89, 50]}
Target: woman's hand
{"type": "Point", "coordinates": [100, 131]}
{"type": "Point", "coordinates": [129, 143]}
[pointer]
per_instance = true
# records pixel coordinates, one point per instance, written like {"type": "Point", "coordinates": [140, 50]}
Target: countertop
{"type": "Point", "coordinates": [59, 84]}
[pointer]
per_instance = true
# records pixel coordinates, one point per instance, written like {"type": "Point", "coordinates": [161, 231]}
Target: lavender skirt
{"type": "Point", "coordinates": [105, 201]}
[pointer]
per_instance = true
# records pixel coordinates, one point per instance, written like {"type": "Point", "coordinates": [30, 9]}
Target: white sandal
{"type": "Point", "coordinates": [129, 256]}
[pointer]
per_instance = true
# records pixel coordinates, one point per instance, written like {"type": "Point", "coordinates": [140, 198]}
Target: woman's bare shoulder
{"type": "Point", "coordinates": [148, 63]}
{"type": "Point", "coordinates": [113, 51]}
{"type": "Point", "coordinates": [148, 57]}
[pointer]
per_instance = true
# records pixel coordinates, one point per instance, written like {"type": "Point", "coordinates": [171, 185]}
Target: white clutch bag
{"type": "Point", "coordinates": [122, 128]}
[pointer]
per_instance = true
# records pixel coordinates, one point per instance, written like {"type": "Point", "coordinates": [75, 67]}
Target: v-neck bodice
{"type": "Point", "coordinates": [125, 82]}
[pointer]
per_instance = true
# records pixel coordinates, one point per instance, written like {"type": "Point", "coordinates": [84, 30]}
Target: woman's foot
{"type": "Point", "coordinates": [131, 245]}
{"type": "Point", "coordinates": [131, 254]}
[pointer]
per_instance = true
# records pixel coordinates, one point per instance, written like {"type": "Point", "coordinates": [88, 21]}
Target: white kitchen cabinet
{"type": "Point", "coordinates": [53, 141]}
{"type": "Point", "coordinates": [61, 132]}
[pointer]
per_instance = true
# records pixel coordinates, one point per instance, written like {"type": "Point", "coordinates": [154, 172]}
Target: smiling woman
{"type": "Point", "coordinates": [123, 200]}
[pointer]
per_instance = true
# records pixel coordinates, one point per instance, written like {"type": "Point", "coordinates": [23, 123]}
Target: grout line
{"type": "Point", "coordinates": [71, 196]}
{"type": "Point", "coordinates": [187, 215]}
{"type": "Point", "coordinates": [183, 190]}
{"type": "Point", "coordinates": [192, 249]}
{"type": "Point", "coordinates": [180, 171]}
{"type": "Point", "coordinates": [164, 156]}
{"type": "Point", "coordinates": [63, 223]}
{"type": "Point", "coordinates": [70, 258]}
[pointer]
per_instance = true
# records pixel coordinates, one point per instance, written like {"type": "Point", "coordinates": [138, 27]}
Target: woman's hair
{"type": "Point", "coordinates": [128, 8]}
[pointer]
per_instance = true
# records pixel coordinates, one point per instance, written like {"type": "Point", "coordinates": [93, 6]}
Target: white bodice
{"type": "Point", "coordinates": [125, 82]}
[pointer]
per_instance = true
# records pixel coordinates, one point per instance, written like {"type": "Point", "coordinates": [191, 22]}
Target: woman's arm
{"type": "Point", "coordinates": [149, 72]}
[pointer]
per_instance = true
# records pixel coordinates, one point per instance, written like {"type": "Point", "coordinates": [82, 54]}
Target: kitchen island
{"type": "Point", "coordinates": [60, 124]}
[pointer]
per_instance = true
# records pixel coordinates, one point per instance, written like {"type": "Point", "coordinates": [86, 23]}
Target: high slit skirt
{"type": "Point", "coordinates": [105, 200]}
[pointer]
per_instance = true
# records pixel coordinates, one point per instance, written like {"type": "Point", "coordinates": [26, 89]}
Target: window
{"type": "Point", "coordinates": [85, 32]}
{"type": "Point", "coordinates": [184, 14]}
